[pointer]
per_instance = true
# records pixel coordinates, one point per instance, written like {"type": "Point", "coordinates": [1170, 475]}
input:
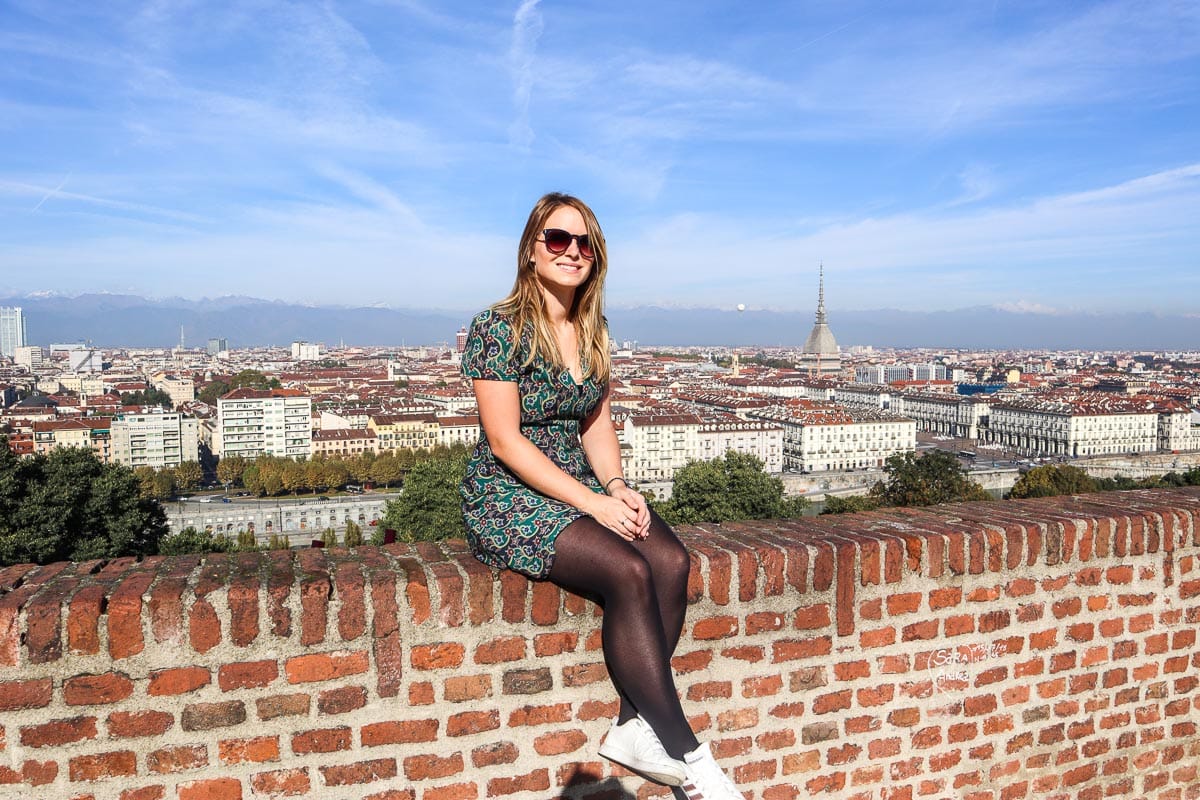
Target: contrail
{"type": "Point", "coordinates": [52, 192]}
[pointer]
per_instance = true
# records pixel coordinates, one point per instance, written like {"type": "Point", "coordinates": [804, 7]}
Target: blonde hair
{"type": "Point", "coordinates": [526, 305]}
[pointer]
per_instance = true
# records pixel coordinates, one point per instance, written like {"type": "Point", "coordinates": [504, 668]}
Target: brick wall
{"type": "Point", "coordinates": [990, 650]}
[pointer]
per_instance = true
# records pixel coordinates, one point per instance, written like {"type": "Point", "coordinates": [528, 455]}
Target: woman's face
{"type": "Point", "coordinates": [569, 269]}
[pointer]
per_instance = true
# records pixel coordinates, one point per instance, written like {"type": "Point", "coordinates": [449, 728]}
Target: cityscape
{"type": "Point", "coordinates": [822, 417]}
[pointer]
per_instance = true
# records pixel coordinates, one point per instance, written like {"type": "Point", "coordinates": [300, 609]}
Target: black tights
{"type": "Point", "coordinates": [642, 586]}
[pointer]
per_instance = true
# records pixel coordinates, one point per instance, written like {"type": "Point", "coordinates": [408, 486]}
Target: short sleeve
{"type": "Point", "coordinates": [491, 349]}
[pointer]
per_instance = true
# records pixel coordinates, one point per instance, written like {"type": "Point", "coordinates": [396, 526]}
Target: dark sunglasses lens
{"type": "Point", "coordinates": [585, 246]}
{"type": "Point", "coordinates": [557, 241]}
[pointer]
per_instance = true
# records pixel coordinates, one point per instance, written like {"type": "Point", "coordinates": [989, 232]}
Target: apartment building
{"type": "Point", "coordinates": [718, 434]}
{"type": "Point", "coordinates": [417, 431]}
{"type": "Point", "coordinates": [253, 422]}
{"type": "Point", "coordinates": [945, 414]}
{"type": "Point", "coordinates": [654, 446]}
{"type": "Point", "coordinates": [1080, 427]}
{"type": "Point", "coordinates": [830, 438]}
{"type": "Point", "coordinates": [90, 433]}
{"type": "Point", "coordinates": [342, 442]}
{"type": "Point", "coordinates": [181, 389]}
{"type": "Point", "coordinates": [458, 429]}
{"type": "Point", "coordinates": [154, 439]}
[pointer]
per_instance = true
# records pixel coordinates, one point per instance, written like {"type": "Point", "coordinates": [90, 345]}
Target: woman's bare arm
{"type": "Point", "coordinates": [500, 416]}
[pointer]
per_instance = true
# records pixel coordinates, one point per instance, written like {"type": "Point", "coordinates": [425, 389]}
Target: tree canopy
{"type": "Point", "coordinates": [1051, 480]}
{"type": "Point", "coordinates": [69, 506]}
{"type": "Point", "coordinates": [430, 507]}
{"type": "Point", "coordinates": [926, 480]}
{"type": "Point", "coordinates": [733, 487]}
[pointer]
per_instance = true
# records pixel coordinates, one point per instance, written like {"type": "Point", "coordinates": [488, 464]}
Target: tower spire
{"type": "Point", "coordinates": [821, 297]}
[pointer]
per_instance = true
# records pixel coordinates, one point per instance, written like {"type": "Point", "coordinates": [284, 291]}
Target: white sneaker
{"type": "Point", "coordinates": [635, 746]}
{"type": "Point", "coordinates": [704, 779]}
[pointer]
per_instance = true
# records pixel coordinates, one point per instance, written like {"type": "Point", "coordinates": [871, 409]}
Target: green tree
{"type": "Point", "coordinates": [329, 537]}
{"type": "Point", "coordinates": [70, 506]}
{"type": "Point", "coordinates": [430, 507]}
{"type": "Point", "coordinates": [213, 392]}
{"type": "Point", "coordinates": [230, 470]}
{"type": "Point", "coordinates": [253, 379]}
{"type": "Point", "coordinates": [360, 466]}
{"type": "Point", "coordinates": [147, 397]}
{"type": "Point", "coordinates": [188, 475]}
{"type": "Point", "coordinates": [1051, 480]}
{"type": "Point", "coordinates": [734, 487]}
{"type": "Point", "coordinates": [849, 504]}
{"type": "Point", "coordinates": [190, 540]}
{"type": "Point", "coordinates": [293, 476]}
{"type": "Point", "coordinates": [154, 484]}
{"type": "Point", "coordinates": [386, 469]}
{"type": "Point", "coordinates": [935, 477]}
{"type": "Point", "coordinates": [354, 534]}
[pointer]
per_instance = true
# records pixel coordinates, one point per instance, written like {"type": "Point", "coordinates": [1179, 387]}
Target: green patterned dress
{"type": "Point", "coordinates": [509, 524]}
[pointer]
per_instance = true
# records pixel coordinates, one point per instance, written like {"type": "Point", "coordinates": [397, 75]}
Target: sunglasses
{"type": "Point", "coordinates": [557, 241]}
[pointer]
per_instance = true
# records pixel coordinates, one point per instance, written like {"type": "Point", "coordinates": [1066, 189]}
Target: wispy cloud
{"type": "Point", "coordinates": [526, 30]}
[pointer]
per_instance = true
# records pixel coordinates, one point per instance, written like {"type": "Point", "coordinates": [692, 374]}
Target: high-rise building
{"type": "Point", "coordinates": [12, 330]}
{"type": "Point", "coordinates": [461, 340]}
{"type": "Point", "coordinates": [217, 346]}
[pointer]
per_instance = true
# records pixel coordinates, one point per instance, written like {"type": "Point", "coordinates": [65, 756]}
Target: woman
{"type": "Point", "coordinates": [544, 494]}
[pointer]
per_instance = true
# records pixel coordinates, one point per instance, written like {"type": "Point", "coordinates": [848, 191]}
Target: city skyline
{"type": "Point", "coordinates": [1032, 158]}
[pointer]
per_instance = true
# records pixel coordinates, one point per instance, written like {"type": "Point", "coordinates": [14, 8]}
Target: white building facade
{"type": "Point", "coordinates": [253, 422]}
{"type": "Point", "coordinates": [154, 439]}
{"type": "Point", "coordinates": [820, 440]}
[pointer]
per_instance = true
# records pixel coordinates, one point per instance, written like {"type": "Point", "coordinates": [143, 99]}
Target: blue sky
{"type": "Point", "coordinates": [935, 155]}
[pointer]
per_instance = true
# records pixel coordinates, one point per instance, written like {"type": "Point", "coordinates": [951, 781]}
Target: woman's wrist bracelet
{"type": "Point", "coordinates": [615, 478]}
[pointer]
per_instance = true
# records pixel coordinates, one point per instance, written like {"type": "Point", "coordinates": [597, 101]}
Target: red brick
{"type": "Point", "coordinates": [766, 621]}
{"type": "Point", "coordinates": [420, 693]}
{"type": "Point", "coordinates": [283, 782]}
{"type": "Point", "coordinates": [215, 789]}
{"type": "Point", "coordinates": [326, 666]}
{"type": "Point", "coordinates": [470, 722]}
{"type": "Point", "coordinates": [489, 755]}
{"type": "Point", "coordinates": [282, 705]}
{"type": "Point", "coordinates": [447, 655]}
{"type": "Point", "coordinates": [812, 617]}
{"type": "Point", "coordinates": [540, 715]}
{"type": "Point", "coordinates": [177, 759]}
{"type": "Point", "coordinates": [144, 793]}
{"type": "Point", "coordinates": [341, 700]}
{"type": "Point", "coordinates": [94, 690]}
{"type": "Point", "coordinates": [835, 701]}
{"type": "Point", "coordinates": [707, 690]}
{"type": "Point", "coordinates": [552, 644]}
{"type": "Point", "coordinates": [328, 740]}
{"type": "Point", "coordinates": [59, 732]}
{"type": "Point", "coordinates": [457, 791]}
{"type": "Point", "coordinates": [129, 724]}
{"type": "Point", "coordinates": [119, 764]}
{"type": "Point", "coordinates": [762, 687]}
{"type": "Point", "coordinates": [399, 732]}
{"type": "Point", "coordinates": [462, 688]}
{"type": "Point", "coordinates": [177, 681]}
{"type": "Point", "coordinates": [360, 772]}
{"type": "Point", "coordinates": [584, 674]}
{"type": "Point", "coordinates": [559, 742]}
{"type": "Point", "coordinates": [536, 781]}
{"type": "Point", "coordinates": [944, 598]}
{"type": "Point", "coordinates": [714, 628]}
{"type": "Point", "coordinates": [206, 716]}
{"type": "Point", "coordinates": [255, 750]}
{"type": "Point", "coordinates": [507, 648]}
{"type": "Point", "coordinates": [247, 675]}
{"type": "Point", "coordinates": [17, 695]}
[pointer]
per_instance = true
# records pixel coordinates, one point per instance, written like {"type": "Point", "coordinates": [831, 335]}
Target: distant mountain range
{"type": "Point", "coordinates": [112, 320]}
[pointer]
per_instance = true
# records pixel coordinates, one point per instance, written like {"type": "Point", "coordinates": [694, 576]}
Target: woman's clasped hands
{"type": "Point", "coordinates": [624, 512]}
